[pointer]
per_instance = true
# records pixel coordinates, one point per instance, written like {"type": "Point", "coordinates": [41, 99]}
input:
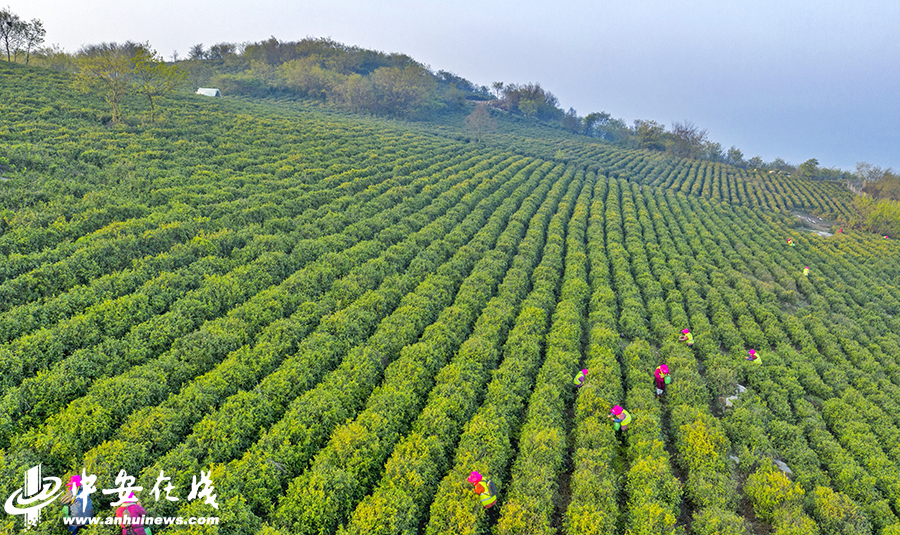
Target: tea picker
{"type": "Point", "coordinates": [620, 417]}
{"type": "Point", "coordinates": [662, 378]}
{"type": "Point", "coordinates": [580, 378]}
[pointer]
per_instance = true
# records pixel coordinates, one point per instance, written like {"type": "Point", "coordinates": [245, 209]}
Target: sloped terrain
{"type": "Point", "coordinates": [341, 317]}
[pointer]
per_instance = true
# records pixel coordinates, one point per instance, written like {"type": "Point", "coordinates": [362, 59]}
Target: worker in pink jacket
{"type": "Point", "coordinates": [132, 515]}
{"type": "Point", "coordinates": [620, 417]}
{"type": "Point", "coordinates": [484, 488]}
{"type": "Point", "coordinates": [752, 356]}
{"type": "Point", "coordinates": [662, 378]}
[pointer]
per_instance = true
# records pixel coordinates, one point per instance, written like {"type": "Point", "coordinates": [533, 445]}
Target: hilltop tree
{"type": "Point", "coordinates": [221, 51]}
{"type": "Point", "coordinates": [153, 78]}
{"type": "Point", "coordinates": [735, 157]}
{"type": "Point", "coordinates": [387, 91]}
{"type": "Point", "coordinates": [808, 168]}
{"type": "Point", "coordinates": [687, 140]}
{"type": "Point", "coordinates": [779, 164]}
{"type": "Point", "coordinates": [497, 89]}
{"type": "Point", "coordinates": [530, 100]}
{"type": "Point", "coordinates": [307, 77]}
{"type": "Point", "coordinates": [713, 152]}
{"type": "Point", "coordinates": [870, 173]}
{"type": "Point", "coordinates": [593, 120]}
{"type": "Point", "coordinates": [196, 52]}
{"type": "Point", "coordinates": [881, 183]}
{"type": "Point", "coordinates": [649, 134]}
{"type": "Point", "coordinates": [612, 130]}
{"type": "Point", "coordinates": [480, 122]}
{"type": "Point", "coordinates": [571, 121]}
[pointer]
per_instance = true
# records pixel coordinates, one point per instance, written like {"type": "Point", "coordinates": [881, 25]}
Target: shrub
{"type": "Point", "coordinates": [770, 490]}
{"type": "Point", "coordinates": [836, 514]}
{"type": "Point", "coordinates": [716, 521]}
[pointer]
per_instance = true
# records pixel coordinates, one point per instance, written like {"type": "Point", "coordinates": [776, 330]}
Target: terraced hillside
{"type": "Point", "coordinates": [341, 317]}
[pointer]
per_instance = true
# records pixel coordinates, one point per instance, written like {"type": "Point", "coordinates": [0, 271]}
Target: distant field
{"type": "Point", "coordinates": [341, 317]}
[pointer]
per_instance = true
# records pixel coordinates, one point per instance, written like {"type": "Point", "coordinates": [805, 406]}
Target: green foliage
{"type": "Point", "coordinates": [153, 78]}
{"type": "Point", "coordinates": [342, 317]}
{"type": "Point", "coordinates": [881, 216]}
{"type": "Point", "coordinates": [714, 521]}
{"type": "Point", "coordinates": [770, 491]}
{"type": "Point", "coordinates": [533, 488]}
{"type": "Point", "coordinates": [836, 514]}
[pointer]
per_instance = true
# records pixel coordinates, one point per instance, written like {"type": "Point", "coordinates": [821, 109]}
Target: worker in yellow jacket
{"type": "Point", "coordinates": [620, 417]}
{"type": "Point", "coordinates": [580, 378]}
{"type": "Point", "coordinates": [485, 489]}
{"type": "Point", "coordinates": [753, 356]}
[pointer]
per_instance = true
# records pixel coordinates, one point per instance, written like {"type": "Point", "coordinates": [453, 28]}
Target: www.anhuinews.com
{"type": "Point", "coordinates": [145, 521]}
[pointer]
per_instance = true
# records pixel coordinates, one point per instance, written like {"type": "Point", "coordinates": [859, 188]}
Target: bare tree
{"type": "Point", "coordinates": [12, 32]}
{"type": "Point", "coordinates": [197, 52]}
{"type": "Point", "coordinates": [153, 78]}
{"type": "Point", "coordinates": [34, 37]}
{"type": "Point", "coordinates": [687, 139]}
{"type": "Point", "coordinates": [480, 122]}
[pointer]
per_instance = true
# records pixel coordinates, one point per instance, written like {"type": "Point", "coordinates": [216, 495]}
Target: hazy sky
{"type": "Point", "coordinates": [797, 79]}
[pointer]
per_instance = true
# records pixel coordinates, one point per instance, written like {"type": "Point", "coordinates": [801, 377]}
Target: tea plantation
{"type": "Point", "coordinates": [339, 317]}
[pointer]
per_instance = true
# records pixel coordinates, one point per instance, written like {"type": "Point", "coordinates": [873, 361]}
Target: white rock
{"type": "Point", "coordinates": [783, 467]}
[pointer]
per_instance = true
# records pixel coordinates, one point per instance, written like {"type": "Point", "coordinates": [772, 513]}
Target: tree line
{"type": "Point", "coordinates": [682, 140]}
{"type": "Point", "coordinates": [877, 203]}
{"type": "Point", "coordinates": [373, 82]}
{"type": "Point", "coordinates": [20, 37]}
{"type": "Point", "coordinates": [110, 70]}
{"type": "Point", "coordinates": [350, 77]}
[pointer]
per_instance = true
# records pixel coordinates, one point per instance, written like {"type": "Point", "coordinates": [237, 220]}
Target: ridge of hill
{"type": "Point", "coordinates": [340, 317]}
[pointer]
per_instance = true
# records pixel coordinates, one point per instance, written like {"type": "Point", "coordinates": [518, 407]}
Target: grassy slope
{"type": "Point", "coordinates": [710, 235]}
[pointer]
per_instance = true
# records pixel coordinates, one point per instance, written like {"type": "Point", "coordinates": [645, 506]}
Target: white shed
{"type": "Point", "coordinates": [208, 91]}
